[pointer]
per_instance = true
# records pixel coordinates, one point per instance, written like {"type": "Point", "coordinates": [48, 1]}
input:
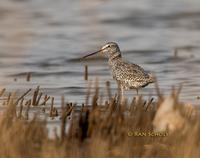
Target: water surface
{"type": "Point", "coordinates": [46, 37]}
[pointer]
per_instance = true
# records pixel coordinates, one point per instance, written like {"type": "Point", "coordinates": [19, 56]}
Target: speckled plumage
{"type": "Point", "coordinates": [127, 75]}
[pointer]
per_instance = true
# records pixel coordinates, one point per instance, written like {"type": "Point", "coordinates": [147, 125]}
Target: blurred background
{"type": "Point", "coordinates": [47, 37]}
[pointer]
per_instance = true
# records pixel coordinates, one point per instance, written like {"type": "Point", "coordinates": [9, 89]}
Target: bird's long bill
{"type": "Point", "coordinates": [92, 54]}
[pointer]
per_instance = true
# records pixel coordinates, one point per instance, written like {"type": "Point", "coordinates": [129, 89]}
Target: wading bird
{"type": "Point", "coordinates": [127, 75]}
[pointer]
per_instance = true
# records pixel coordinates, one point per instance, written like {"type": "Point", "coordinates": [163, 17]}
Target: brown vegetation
{"type": "Point", "coordinates": [110, 130]}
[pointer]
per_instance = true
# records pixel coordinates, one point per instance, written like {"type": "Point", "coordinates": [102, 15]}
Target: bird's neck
{"type": "Point", "coordinates": [114, 59]}
{"type": "Point", "coordinates": [115, 55]}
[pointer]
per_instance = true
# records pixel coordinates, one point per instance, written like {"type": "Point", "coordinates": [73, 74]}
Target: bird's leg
{"type": "Point", "coordinates": [119, 91]}
{"type": "Point", "coordinates": [137, 90]}
{"type": "Point", "coordinates": [122, 95]}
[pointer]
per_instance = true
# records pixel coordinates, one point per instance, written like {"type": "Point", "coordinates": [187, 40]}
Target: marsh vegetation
{"type": "Point", "coordinates": [162, 127]}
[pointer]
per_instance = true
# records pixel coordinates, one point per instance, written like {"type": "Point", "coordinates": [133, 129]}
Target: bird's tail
{"type": "Point", "coordinates": [151, 78]}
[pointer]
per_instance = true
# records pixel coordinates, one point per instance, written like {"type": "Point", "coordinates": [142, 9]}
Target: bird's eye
{"type": "Point", "coordinates": [108, 46]}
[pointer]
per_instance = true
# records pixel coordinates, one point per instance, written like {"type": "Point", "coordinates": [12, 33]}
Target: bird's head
{"type": "Point", "coordinates": [110, 50]}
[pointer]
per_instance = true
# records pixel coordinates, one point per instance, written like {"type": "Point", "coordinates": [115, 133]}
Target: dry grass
{"type": "Point", "coordinates": [108, 130]}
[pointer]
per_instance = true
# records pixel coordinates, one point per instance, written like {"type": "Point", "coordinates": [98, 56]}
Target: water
{"type": "Point", "coordinates": [46, 37]}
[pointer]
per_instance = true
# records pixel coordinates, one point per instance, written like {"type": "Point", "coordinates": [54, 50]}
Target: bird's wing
{"type": "Point", "coordinates": [130, 72]}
